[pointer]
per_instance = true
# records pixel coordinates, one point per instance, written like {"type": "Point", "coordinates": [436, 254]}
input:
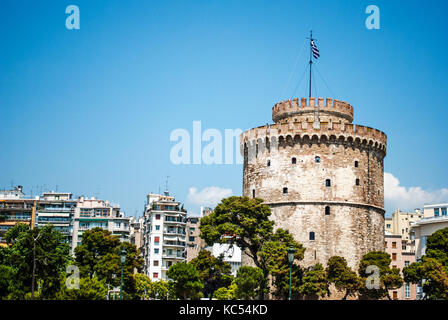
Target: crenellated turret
{"type": "Point", "coordinates": [329, 111]}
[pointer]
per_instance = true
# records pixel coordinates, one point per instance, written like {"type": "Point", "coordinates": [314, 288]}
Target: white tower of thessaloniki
{"type": "Point", "coordinates": [321, 175]}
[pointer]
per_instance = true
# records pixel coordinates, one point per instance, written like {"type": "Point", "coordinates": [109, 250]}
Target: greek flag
{"type": "Point", "coordinates": [315, 50]}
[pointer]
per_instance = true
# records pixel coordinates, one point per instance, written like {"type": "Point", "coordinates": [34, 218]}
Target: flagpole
{"type": "Point", "coordinates": [311, 61]}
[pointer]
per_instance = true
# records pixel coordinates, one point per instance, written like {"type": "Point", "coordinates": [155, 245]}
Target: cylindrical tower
{"type": "Point", "coordinates": [321, 175]}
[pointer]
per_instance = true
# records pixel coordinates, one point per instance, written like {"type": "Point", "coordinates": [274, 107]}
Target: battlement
{"type": "Point", "coordinates": [291, 108]}
{"type": "Point", "coordinates": [326, 132]}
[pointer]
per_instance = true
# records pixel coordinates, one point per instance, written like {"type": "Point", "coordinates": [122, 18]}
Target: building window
{"type": "Point", "coordinates": [436, 212]}
{"type": "Point", "coordinates": [327, 210]}
{"type": "Point", "coordinates": [357, 182]}
{"type": "Point", "coordinates": [406, 263]}
{"type": "Point", "coordinates": [156, 240]}
{"type": "Point", "coordinates": [395, 295]}
{"type": "Point", "coordinates": [388, 226]}
{"type": "Point", "coordinates": [317, 159]}
{"type": "Point", "coordinates": [155, 275]}
{"type": "Point", "coordinates": [394, 245]}
{"type": "Point", "coordinates": [157, 227]}
{"type": "Point", "coordinates": [328, 183]}
{"type": "Point", "coordinates": [156, 251]}
{"type": "Point", "coordinates": [312, 235]}
{"type": "Point", "coordinates": [253, 193]}
{"type": "Point", "coordinates": [191, 239]}
{"type": "Point", "coordinates": [285, 190]}
{"type": "Point", "coordinates": [156, 263]}
{"type": "Point", "coordinates": [356, 164]}
{"type": "Point", "coordinates": [294, 160]}
{"type": "Point", "coordinates": [443, 211]}
{"type": "Point", "coordinates": [157, 216]}
{"type": "Point", "coordinates": [269, 163]}
{"type": "Point", "coordinates": [407, 290]}
{"type": "Point", "coordinates": [394, 257]}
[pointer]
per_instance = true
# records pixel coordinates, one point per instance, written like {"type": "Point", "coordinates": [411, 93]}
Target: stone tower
{"type": "Point", "coordinates": [321, 175]}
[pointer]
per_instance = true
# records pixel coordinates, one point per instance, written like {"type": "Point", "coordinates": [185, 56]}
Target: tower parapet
{"type": "Point", "coordinates": [328, 109]}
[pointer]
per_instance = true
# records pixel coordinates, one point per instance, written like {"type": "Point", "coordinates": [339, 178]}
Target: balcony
{"type": "Point", "coordinates": [174, 232]}
{"type": "Point", "coordinates": [174, 244]}
{"type": "Point", "coordinates": [175, 221]}
{"type": "Point", "coordinates": [173, 256]}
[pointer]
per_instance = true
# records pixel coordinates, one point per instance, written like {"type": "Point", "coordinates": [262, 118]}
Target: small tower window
{"type": "Point", "coordinates": [312, 236]}
{"type": "Point", "coordinates": [327, 210]}
{"type": "Point", "coordinates": [285, 190]}
{"type": "Point", "coordinates": [253, 193]}
{"type": "Point", "coordinates": [356, 164]}
{"type": "Point", "coordinates": [269, 163]}
{"type": "Point", "coordinates": [357, 182]}
{"type": "Point", "coordinates": [328, 183]}
{"type": "Point", "coordinates": [317, 159]}
{"type": "Point", "coordinates": [294, 161]}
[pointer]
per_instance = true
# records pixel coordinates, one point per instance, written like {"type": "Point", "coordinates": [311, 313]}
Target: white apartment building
{"type": "Point", "coordinates": [92, 213]}
{"type": "Point", "coordinates": [231, 255]}
{"type": "Point", "coordinates": [435, 218]}
{"type": "Point", "coordinates": [164, 240]}
{"type": "Point", "coordinates": [57, 209]}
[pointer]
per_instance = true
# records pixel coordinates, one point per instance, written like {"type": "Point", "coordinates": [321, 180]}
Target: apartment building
{"type": "Point", "coordinates": [57, 209]}
{"type": "Point", "coordinates": [400, 223]}
{"type": "Point", "coordinates": [15, 207]}
{"type": "Point", "coordinates": [231, 255]}
{"type": "Point", "coordinates": [164, 240]}
{"type": "Point", "coordinates": [92, 213]}
{"type": "Point", "coordinates": [194, 241]}
{"type": "Point", "coordinates": [396, 247]}
{"type": "Point", "coordinates": [435, 218]}
{"type": "Point", "coordinates": [136, 226]}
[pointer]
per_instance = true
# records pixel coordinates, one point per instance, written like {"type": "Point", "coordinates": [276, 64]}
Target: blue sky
{"type": "Point", "coordinates": [91, 110]}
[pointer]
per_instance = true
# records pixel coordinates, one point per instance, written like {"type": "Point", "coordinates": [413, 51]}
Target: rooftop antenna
{"type": "Point", "coordinates": [166, 185]}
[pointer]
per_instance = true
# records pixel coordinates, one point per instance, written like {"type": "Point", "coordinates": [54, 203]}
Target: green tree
{"type": "Point", "coordinates": [89, 289]}
{"type": "Point", "coordinates": [343, 278]}
{"type": "Point", "coordinates": [274, 257]}
{"type": "Point", "coordinates": [226, 293]}
{"type": "Point", "coordinates": [432, 271]}
{"type": "Point", "coordinates": [242, 221]}
{"type": "Point", "coordinates": [314, 283]}
{"type": "Point", "coordinates": [6, 274]}
{"type": "Point", "coordinates": [51, 256]}
{"type": "Point", "coordinates": [186, 280]}
{"type": "Point", "coordinates": [142, 286]}
{"type": "Point", "coordinates": [99, 255]}
{"type": "Point", "coordinates": [214, 272]}
{"type": "Point", "coordinates": [161, 290]}
{"type": "Point", "coordinates": [431, 275]}
{"type": "Point", "coordinates": [389, 278]}
{"type": "Point", "coordinates": [249, 281]}
{"type": "Point", "coordinates": [437, 246]}
{"type": "Point", "coordinates": [13, 233]}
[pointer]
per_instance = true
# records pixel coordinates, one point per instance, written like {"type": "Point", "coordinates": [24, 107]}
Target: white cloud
{"type": "Point", "coordinates": [400, 197]}
{"type": "Point", "coordinates": [209, 196]}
